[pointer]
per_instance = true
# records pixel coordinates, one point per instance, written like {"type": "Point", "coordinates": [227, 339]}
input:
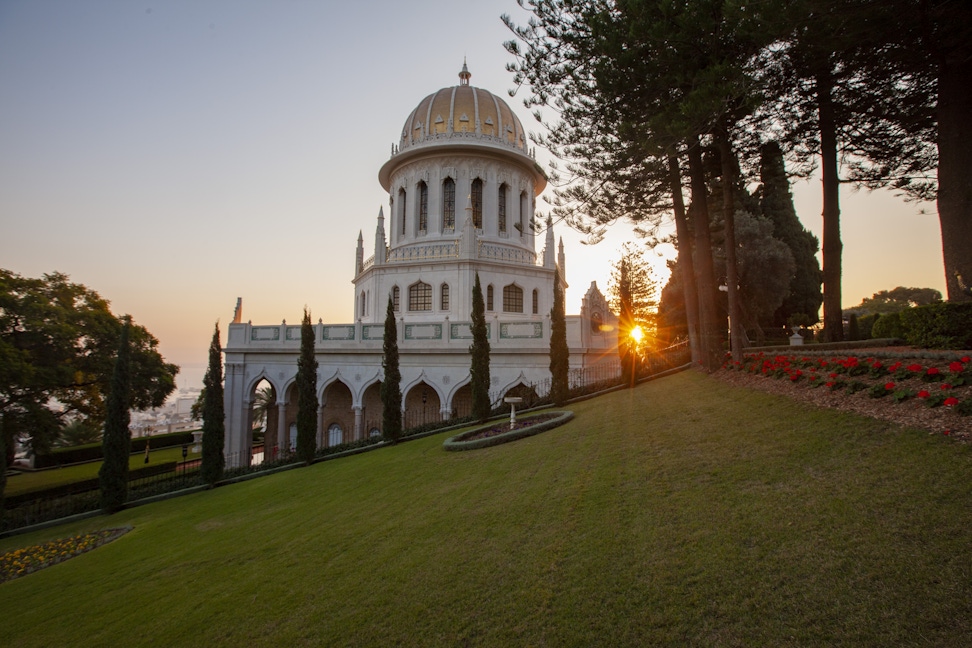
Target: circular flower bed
{"type": "Point", "coordinates": [21, 562]}
{"type": "Point", "coordinates": [499, 431]}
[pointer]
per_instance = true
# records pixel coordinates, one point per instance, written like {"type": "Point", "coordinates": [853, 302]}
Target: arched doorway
{"type": "Point", "coordinates": [337, 414]}
{"type": "Point", "coordinates": [421, 406]}
{"type": "Point", "coordinates": [462, 402]}
{"type": "Point", "coordinates": [263, 414]}
{"type": "Point", "coordinates": [371, 410]}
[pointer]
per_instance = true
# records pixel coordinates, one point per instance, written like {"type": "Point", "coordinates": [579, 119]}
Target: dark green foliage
{"type": "Point", "coordinates": [306, 393]}
{"type": "Point", "coordinates": [391, 383]}
{"type": "Point", "coordinates": [559, 352]}
{"type": "Point", "coordinates": [853, 328]}
{"type": "Point", "coordinates": [938, 326]}
{"type": "Point", "coordinates": [214, 416]}
{"type": "Point", "coordinates": [865, 325]}
{"type": "Point", "coordinates": [776, 204]}
{"type": "Point", "coordinates": [94, 451]}
{"type": "Point", "coordinates": [78, 433]}
{"type": "Point", "coordinates": [58, 345]}
{"type": "Point", "coordinates": [479, 350]}
{"type": "Point", "coordinates": [897, 299]}
{"type": "Point", "coordinates": [3, 466]}
{"type": "Point", "coordinates": [889, 326]}
{"type": "Point", "coordinates": [113, 475]}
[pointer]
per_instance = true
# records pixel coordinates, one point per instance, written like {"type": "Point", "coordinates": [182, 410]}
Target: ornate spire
{"type": "Point", "coordinates": [464, 74]}
{"type": "Point", "coordinates": [381, 246]}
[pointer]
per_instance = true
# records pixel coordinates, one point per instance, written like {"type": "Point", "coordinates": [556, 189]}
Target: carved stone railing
{"type": "Point", "coordinates": [430, 252]}
{"type": "Point", "coordinates": [506, 254]}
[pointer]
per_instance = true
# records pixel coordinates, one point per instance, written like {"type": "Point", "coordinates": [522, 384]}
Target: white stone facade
{"type": "Point", "coordinates": [462, 187]}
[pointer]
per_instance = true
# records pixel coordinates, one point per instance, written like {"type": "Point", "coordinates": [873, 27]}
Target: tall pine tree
{"type": "Point", "coordinates": [214, 419]}
{"type": "Point", "coordinates": [306, 393]}
{"type": "Point", "coordinates": [479, 350]}
{"type": "Point", "coordinates": [559, 352]}
{"type": "Point", "coordinates": [391, 384]}
{"type": "Point", "coordinates": [117, 441]}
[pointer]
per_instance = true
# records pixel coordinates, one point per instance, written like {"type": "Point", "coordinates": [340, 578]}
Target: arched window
{"type": "Point", "coordinates": [419, 297]}
{"type": "Point", "coordinates": [536, 301]}
{"type": "Point", "coordinates": [362, 306]}
{"type": "Point", "coordinates": [423, 207]}
{"type": "Point", "coordinates": [512, 299]}
{"type": "Point", "coordinates": [444, 297]}
{"type": "Point", "coordinates": [523, 212]}
{"type": "Point", "coordinates": [396, 299]}
{"type": "Point", "coordinates": [449, 203]}
{"type": "Point", "coordinates": [335, 435]}
{"type": "Point", "coordinates": [489, 297]}
{"type": "Point", "coordinates": [501, 213]}
{"type": "Point", "coordinates": [595, 322]}
{"type": "Point", "coordinates": [401, 210]}
{"type": "Point", "coordinates": [476, 195]}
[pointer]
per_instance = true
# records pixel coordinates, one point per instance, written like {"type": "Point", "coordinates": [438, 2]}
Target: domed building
{"type": "Point", "coordinates": [462, 186]}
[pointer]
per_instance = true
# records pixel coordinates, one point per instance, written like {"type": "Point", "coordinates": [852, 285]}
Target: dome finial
{"type": "Point", "coordinates": [464, 74]}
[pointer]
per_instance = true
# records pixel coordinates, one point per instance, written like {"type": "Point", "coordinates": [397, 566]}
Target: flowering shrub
{"type": "Point", "coordinates": [798, 369]}
{"type": "Point", "coordinates": [21, 562]}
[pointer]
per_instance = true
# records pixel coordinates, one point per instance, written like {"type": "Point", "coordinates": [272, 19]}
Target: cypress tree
{"type": "Point", "coordinates": [559, 353]}
{"type": "Point", "coordinates": [3, 467]}
{"type": "Point", "coordinates": [116, 443]}
{"type": "Point", "coordinates": [776, 204]}
{"type": "Point", "coordinates": [306, 393]}
{"type": "Point", "coordinates": [214, 418]}
{"type": "Point", "coordinates": [391, 388]}
{"type": "Point", "coordinates": [479, 370]}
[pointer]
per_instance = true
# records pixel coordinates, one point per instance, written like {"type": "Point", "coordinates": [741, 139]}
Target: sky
{"type": "Point", "coordinates": [174, 156]}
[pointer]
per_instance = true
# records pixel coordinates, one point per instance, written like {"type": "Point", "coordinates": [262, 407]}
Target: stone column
{"type": "Point", "coordinates": [358, 422]}
{"type": "Point", "coordinates": [283, 434]}
{"type": "Point", "coordinates": [246, 455]}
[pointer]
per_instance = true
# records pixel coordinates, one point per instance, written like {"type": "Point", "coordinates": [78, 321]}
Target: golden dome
{"type": "Point", "coordinates": [463, 111]}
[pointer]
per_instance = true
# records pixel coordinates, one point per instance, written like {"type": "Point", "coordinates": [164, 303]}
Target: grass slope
{"type": "Point", "coordinates": [684, 512]}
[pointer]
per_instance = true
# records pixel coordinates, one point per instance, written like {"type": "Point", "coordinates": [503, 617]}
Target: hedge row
{"type": "Point", "coordinates": [83, 486]}
{"type": "Point", "coordinates": [92, 451]}
{"type": "Point", "coordinates": [946, 325]}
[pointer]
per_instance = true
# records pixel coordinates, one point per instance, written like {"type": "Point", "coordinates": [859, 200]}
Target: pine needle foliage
{"type": "Point", "coordinates": [116, 444]}
{"type": "Point", "coordinates": [214, 417]}
{"type": "Point", "coordinates": [391, 384]}
{"type": "Point", "coordinates": [479, 350]}
{"type": "Point", "coordinates": [306, 393]}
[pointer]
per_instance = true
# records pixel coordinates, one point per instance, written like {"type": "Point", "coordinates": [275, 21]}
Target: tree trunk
{"type": "Point", "coordinates": [736, 329]}
{"type": "Point", "coordinates": [955, 173]}
{"type": "Point", "coordinates": [705, 274]}
{"type": "Point", "coordinates": [832, 247]}
{"type": "Point", "coordinates": [686, 266]}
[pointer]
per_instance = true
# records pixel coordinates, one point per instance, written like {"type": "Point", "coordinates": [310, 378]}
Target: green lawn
{"type": "Point", "coordinates": [30, 481]}
{"type": "Point", "coordinates": [681, 513]}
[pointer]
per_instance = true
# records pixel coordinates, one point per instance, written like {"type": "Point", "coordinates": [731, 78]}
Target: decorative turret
{"type": "Point", "coordinates": [549, 250]}
{"type": "Point", "coordinates": [381, 246]}
{"type": "Point", "coordinates": [359, 255]}
{"type": "Point", "coordinates": [464, 74]}
{"type": "Point", "coordinates": [562, 261]}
